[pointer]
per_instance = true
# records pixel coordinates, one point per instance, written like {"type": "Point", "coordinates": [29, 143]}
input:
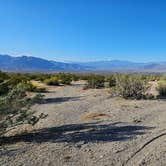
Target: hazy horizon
{"type": "Point", "coordinates": [75, 61]}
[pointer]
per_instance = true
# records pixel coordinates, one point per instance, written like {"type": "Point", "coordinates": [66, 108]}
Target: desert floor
{"type": "Point", "coordinates": [90, 128]}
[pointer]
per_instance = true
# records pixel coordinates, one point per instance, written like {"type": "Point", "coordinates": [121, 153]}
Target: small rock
{"type": "Point", "coordinates": [78, 146]}
{"type": "Point", "coordinates": [101, 156]}
{"type": "Point", "coordinates": [67, 158]}
{"type": "Point", "coordinates": [136, 120]}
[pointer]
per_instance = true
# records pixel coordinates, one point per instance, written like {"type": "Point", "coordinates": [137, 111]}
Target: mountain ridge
{"type": "Point", "coordinates": [34, 64]}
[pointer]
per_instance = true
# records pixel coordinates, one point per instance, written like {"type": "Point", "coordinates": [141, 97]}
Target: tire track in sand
{"type": "Point", "coordinates": [142, 148]}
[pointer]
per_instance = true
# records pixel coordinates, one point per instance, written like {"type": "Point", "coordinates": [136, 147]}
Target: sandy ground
{"type": "Point", "coordinates": [89, 128]}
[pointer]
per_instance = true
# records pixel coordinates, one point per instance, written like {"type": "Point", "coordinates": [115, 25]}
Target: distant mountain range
{"type": "Point", "coordinates": [34, 64]}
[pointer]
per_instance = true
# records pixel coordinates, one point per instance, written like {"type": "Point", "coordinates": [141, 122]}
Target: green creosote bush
{"type": "Point", "coordinates": [161, 88]}
{"type": "Point", "coordinates": [95, 81]}
{"type": "Point", "coordinates": [52, 81]}
{"type": "Point", "coordinates": [10, 81]}
{"type": "Point", "coordinates": [32, 88]}
{"type": "Point", "coordinates": [4, 88]}
{"type": "Point", "coordinates": [7, 85]}
{"type": "Point", "coordinates": [111, 80]}
{"type": "Point", "coordinates": [75, 77]}
{"type": "Point", "coordinates": [65, 78]}
{"type": "Point", "coordinates": [41, 77]}
{"type": "Point", "coordinates": [3, 76]}
{"type": "Point", "coordinates": [15, 108]}
{"type": "Point", "coordinates": [84, 77]}
{"type": "Point", "coordinates": [130, 86]}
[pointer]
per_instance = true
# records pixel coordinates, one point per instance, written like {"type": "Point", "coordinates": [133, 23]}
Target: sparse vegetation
{"type": "Point", "coordinates": [15, 104]}
{"type": "Point", "coordinates": [95, 81]}
{"type": "Point", "coordinates": [52, 81]}
{"type": "Point", "coordinates": [162, 88]}
{"type": "Point", "coordinates": [75, 77]}
{"type": "Point", "coordinates": [111, 80]}
{"type": "Point", "coordinates": [19, 93]}
{"type": "Point", "coordinates": [64, 78]}
{"type": "Point", "coordinates": [15, 107]}
{"type": "Point", "coordinates": [130, 86]}
{"type": "Point", "coordinates": [3, 76]}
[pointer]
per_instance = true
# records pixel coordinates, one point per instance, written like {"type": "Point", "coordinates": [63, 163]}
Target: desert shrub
{"type": "Point", "coordinates": [3, 83]}
{"type": "Point", "coordinates": [162, 77]}
{"type": "Point", "coordinates": [75, 77]}
{"type": "Point", "coordinates": [95, 81]}
{"type": "Point", "coordinates": [84, 77]}
{"type": "Point", "coordinates": [15, 108]}
{"type": "Point", "coordinates": [65, 78]}
{"type": "Point", "coordinates": [52, 81]}
{"type": "Point", "coordinates": [130, 86]}
{"type": "Point", "coordinates": [153, 77]}
{"type": "Point", "coordinates": [38, 98]}
{"type": "Point", "coordinates": [38, 76]}
{"type": "Point", "coordinates": [7, 85]}
{"type": "Point", "coordinates": [30, 87]}
{"type": "Point", "coordinates": [4, 88]}
{"type": "Point", "coordinates": [111, 80]}
{"type": "Point", "coordinates": [16, 79]}
{"type": "Point", "coordinates": [41, 77]}
{"type": "Point", "coordinates": [3, 76]}
{"type": "Point", "coordinates": [33, 88]}
{"type": "Point", "coordinates": [162, 88]}
{"type": "Point", "coordinates": [40, 90]}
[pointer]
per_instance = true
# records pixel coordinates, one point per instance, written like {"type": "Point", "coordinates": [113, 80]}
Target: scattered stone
{"type": "Point", "coordinates": [67, 158]}
{"type": "Point", "coordinates": [136, 106]}
{"type": "Point", "coordinates": [137, 121]}
{"type": "Point", "coordinates": [101, 156]}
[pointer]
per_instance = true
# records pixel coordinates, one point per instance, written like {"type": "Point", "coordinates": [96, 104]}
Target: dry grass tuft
{"type": "Point", "coordinates": [95, 115]}
{"type": "Point", "coordinates": [23, 129]}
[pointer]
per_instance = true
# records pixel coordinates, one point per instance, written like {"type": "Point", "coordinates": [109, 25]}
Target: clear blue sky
{"type": "Point", "coordinates": [81, 30]}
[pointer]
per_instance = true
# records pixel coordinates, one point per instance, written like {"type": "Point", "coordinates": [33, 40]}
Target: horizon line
{"type": "Point", "coordinates": [83, 61]}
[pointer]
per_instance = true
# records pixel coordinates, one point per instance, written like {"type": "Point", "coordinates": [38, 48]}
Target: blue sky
{"type": "Point", "coordinates": [84, 30]}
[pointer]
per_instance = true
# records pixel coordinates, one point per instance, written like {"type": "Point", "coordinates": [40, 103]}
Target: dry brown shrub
{"type": "Point", "coordinates": [95, 115]}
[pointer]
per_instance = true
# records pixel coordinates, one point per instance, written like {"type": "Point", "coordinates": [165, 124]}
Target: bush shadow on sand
{"type": "Point", "coordinates": [74, 133]}
{"type": "Point", "coordinates": [60, 100]}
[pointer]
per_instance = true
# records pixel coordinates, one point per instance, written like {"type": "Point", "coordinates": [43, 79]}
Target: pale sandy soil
{"type": "Point", "coordinates": [89, 128]}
